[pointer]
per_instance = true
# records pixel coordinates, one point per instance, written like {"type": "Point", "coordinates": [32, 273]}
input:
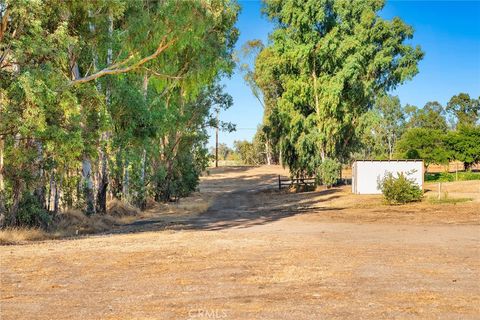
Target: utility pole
{"type": "Point", "coordinates": [216, 142]}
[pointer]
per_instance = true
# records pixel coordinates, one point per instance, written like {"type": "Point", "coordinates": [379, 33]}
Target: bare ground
{"type": "Point", "coordinates": [239, 249]}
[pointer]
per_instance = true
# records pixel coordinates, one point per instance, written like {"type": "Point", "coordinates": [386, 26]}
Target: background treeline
{"type": "Point", "coordinates": [107, 99]}
{"type": "Point", "coordinates": [435, 133]}
{"type": "Point", "coordinates": [323, 80]}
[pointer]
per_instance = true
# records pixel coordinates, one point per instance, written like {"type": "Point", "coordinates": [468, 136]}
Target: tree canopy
{"type": "Point", "coordinates": [109, 98]}
{"type": "Point", "coordinates": [325, 64]}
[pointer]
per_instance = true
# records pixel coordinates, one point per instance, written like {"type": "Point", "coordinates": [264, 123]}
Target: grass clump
{"type": "Point", "coordinates": [11, 236]}
{"type": "Point", "coordinates": [449, 200]}
{"type": "Point", "coordinates": [400, 189]}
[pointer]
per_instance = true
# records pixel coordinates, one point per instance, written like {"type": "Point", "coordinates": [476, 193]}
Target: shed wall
{"type": "Point", "coordinates": [366, 174]}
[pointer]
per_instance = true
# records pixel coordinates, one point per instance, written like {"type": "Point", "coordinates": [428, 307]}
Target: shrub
{"type": "Point", "coordinates": [448, 176]}
{"type": "Point", "coordinates": [329, 172]}
{"type": "Point", "coordinates": [30, 212]}
{"type": "Point", "coordinates": [440, 177]}
{"type": "Point", "coordinates": [400, 189]}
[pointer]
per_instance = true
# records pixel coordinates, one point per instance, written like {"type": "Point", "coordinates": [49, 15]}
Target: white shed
{"type": "Point", "coordinates": [367, 173]}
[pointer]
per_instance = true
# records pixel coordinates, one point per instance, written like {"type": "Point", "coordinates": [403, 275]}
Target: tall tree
{"type": "Point", "coordinates": [392, 121]}
{"type": "Point", "coordinates": [464, 144]}
{"type": "Point", "coordinates": [465, 109]}
{"type": "Point", "coordinates": [431, 116]}
{"type": "Point", "coordinates": [332, 59]}
{"type": "Point", "coordinates": [424, 143]}
{"type": "Point", "coordinates": [85, 85]}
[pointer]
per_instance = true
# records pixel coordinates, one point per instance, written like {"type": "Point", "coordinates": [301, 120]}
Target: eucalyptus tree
{"type": "Point", "coordinates": [392, 121]}
{"type": "Point", "coordinates": [332, 58]}
{"type": "Point", "coordinates": [424, 143]}
{"type": "Point", "coordinates": [466, 110]}
{"type": "Point", "coordinates": [464, 145]}
{"type": "Point", "coordinates": [267, 78]}
{"type": "Point", "coordinates": [82, 82]}
{"type": "Point", "coordinates": [431, 116]}
{"type": "Point", "coordinates": [249, 56]}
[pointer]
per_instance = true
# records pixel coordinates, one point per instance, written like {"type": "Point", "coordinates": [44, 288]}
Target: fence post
{"type": "Point", "coordinates": [439, 190]}
{"type": "Point", "coordinates": [279, 183]}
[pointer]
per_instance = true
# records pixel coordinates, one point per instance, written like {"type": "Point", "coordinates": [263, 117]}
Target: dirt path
{"type": "Point", "coordinates": [254, 253]}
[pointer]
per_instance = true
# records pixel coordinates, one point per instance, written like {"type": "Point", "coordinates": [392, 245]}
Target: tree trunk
{"type": "Point", "coordinates": [268, 152]}
{"type": "Point", "coordinates": [103, 178]}
{"type": "Point", "coordinates": [125, 190]}
{"type": "Point", "coordinates": [58, 189]}
{"type": "Point", "coordinates": [17, 188]}
{"type": "Point", "coordinates": [51, 191]}
{"type": "Point", "coordinates": [40, 183]}
{"type": "Point", "coordinates": [142, 198]}
{"type": "Point", "coordinates": [117, 177]}
{"type": "Point", "coordinates": [87, 181]}
{"type": "Point", "coordinates": [280, 157]}
{"type": "Point", "coordinates": [88, 185]}
{"type": "Point", "coordinates": [216, 143]}
{"type": "Point", "coordinates": [103, 184]}
{"type": "Point", "coordinates": [390, 148]}
{"type": "Point", "coordinates": [2, 185]}
{"type": "Point", "coordinates": [143, 195]}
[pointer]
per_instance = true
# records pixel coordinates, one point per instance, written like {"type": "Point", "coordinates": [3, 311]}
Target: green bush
{"type": "Point", "coordinates": [30, 212]}
{"type": "Point", "coordinates": [400, 189]}
{"type": "Point", "coordinates": [448, 177]}
{"type": "Point", "coordinates": [329, 172]}
{"type": "Point", "coordinates": [440, 177]}
{"type": "Point", "coordinates": [469, 175]}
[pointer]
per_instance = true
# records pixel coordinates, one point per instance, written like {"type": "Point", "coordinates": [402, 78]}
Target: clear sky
{"type": "Point", "coordinates": [447, 31]}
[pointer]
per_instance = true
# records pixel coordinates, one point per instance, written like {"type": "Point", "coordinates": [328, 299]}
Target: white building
{"type": "Point", "coordinates": [367, 173]}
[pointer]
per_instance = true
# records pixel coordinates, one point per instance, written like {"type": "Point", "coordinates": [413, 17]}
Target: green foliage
{"type": "Point", "coordinates": [431, 116]}
{"type": "Point", "coordinates": [329, 172]}
{"type": "Point", "coordinates": [439, 177]}
{"type": "Point", "coordinates": [249, 152]}
{"type": "Point", "coordinates": [465, 109]}
{"type": "Point", "coordinates": [464, 144]}
{"type": "Point", "coordinates": [144, 121]}
{"type": "Point", "coordinates": [326, 63]}
{"type": "Point", "coordinates": [223, 151]}
{"type": "Point", "coordinates": [379, 129]}
{"type": "Point", "coordinates": [423, 143]}
{"type": "Point", "coordinates": [31, 213]}
{"type": "Point", "coordinates": [400, 189]}
{"type": "Point", "coordinates": [449, 176]}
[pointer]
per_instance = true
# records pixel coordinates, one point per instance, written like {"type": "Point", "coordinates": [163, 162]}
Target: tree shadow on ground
{"type": "Point", "coordinates": [243, 201]}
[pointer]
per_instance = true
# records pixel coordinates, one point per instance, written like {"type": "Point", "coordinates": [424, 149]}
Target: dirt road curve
{"type": "Point", "coordinates": [255, 253]}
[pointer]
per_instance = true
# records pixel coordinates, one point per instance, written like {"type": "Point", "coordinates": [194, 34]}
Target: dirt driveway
{"type": "Point", "coordinates": [239, 249]}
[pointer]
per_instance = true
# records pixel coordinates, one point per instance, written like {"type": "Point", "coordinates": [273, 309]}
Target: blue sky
{"type": "Point", "coordinates": [447, 31]}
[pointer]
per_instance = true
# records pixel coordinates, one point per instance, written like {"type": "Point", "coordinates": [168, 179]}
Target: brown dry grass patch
{"type": "Point", "coordinates": [12, 236]}
{"type": "Point", "coordinates": [73, 223]}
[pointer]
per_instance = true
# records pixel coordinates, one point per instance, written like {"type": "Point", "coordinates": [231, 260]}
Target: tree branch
{"type": "Point", "coordinates": [162, 75]}
{"type": "Point", "coordinates": [115, 70]}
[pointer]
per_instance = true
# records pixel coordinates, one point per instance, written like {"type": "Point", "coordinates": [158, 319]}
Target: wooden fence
{"type": "Point", "coordinates": [283, 182]}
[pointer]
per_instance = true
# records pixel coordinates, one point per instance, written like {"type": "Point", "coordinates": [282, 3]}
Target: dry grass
{"type": "Point", "coordinates": [117, 208]}
{"type": "Point", "coordinates": [73, 223]}
{"type": "Point", "coordinates": [325, 254]}
{"type": "Point", "coordinates": [11, 236]}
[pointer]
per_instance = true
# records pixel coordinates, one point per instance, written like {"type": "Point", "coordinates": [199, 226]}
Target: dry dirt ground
{"type": "Point", "coordinates": [240, 249]}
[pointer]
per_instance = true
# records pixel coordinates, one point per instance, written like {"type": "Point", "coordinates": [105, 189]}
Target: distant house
{"type": "Point", "coordinates": [367, 173]}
